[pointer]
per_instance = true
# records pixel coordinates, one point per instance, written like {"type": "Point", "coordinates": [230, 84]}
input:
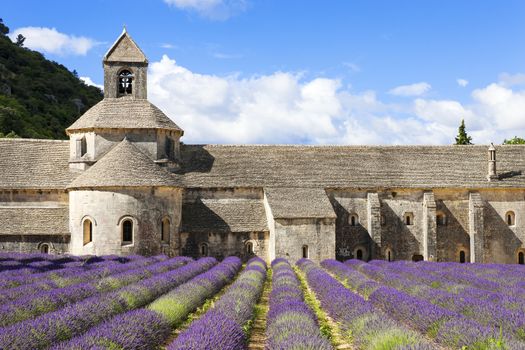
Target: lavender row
{"type": "Point", "coordinates": [50, 300]}
{"type": "Point", "coordinates": [72, 277]}
{"type": "Point", "coordinates": [367, 326]}
{"type": "Point", "coordinates": [444, 326]}
{"type": "Point", "coordinates": [57, 278]}
{"type": "Point", "coordinates": [490, 309]}
{"type": "Point", "coordinates": [51, 328]}
{"type": "Point", "coordinates": [222, 326]}
{"type": "Point", "coordinates": [148, 328]}
{"type": "Point", "coordinates": [291, 324]}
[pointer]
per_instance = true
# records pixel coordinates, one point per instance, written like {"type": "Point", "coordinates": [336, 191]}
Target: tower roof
{"type": "Point", "coordinates": [124, 166]}
{"type": "Point", "coordinates": [123, 113]}
{"type": "Point", "coordinates": [125, 50]}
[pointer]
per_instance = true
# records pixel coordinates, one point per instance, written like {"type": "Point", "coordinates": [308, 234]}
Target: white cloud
{"type": "Point", "coordinates": [507, 79]}
{"type": "Point", "coordinates": [462, 82]}
{"type": "Point", "coordinates": [416, 89]}
{"type": "Point", "coordinates": [285, 107]}
{"type": "Point", "coordinates": [353, 67]}
{"type": "Point", "coordinates": [212, 9]}
{"type": "Point", "coordinates": [49, 40]}
{"type": "Point", "coordinates": [88, 81]}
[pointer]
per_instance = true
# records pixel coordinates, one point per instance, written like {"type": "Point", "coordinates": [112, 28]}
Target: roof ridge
{"type": "Point", "coordinates": [31, 140]}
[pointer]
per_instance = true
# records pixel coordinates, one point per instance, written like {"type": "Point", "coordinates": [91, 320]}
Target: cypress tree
{"type": "Point", "coordinates": [463, 138]}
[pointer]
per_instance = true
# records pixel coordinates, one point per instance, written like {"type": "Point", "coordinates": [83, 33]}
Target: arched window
{"type": "Point", "coordinates": [249, 248]}
{"type": "Point", "coordinates": [305, 252]}
{"type": "Point", "coordinates": [127, 231]}
{"type": "Point", "coordinates": [44, 248]}
{"type": "Point", "coordinates": [510, 218]}
{"type": "Point", "coordinates": [125, 82]}
{"type": "Point", "coordinates": [383, 220]}
{"type": "Point", "coordinates": [409, 218]}
{"type": "Point", "coordinates": [354, 220]}
{"type": "Point", "coordinates": [521, 258]}
{"type": "Point", "coordinates": [165, 231]}
{"type": "Point", "coordinates": [462, 257]}
{"type": "Point", "coordinates": [389, 255]}
{"type": "Point", "coordinates": [87, 228]}
{"type": "Point", "coordinates": [203, 249]}
{"type": "Point", "coordinates": [441, 219]}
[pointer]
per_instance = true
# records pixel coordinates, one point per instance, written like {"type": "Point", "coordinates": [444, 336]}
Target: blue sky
{"type": "Point", "coordinates": [351, 72]}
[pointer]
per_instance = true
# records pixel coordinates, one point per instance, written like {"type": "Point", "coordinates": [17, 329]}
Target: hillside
{"type": "Point", "coordinates": [38, 98]}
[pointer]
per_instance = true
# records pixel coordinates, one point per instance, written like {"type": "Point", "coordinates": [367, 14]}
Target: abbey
{"type": "Point", "coordinates": [124, 183]}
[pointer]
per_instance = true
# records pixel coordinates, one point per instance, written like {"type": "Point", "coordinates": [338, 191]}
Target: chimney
{"type": "Point", "coordinates": [492, 175]}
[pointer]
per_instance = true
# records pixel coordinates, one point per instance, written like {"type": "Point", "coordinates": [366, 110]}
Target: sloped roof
{"type": "Point", "coordinates": [350, 166]}
{"type": "Point", "coordinates": [124, 165]}
{"type": "Point", "coordinates": [34, 164]}
{"type": "Point", "coordinates": [123, 113]}
{"type": "Point", "coordinates": [34, 221]}
{"type": "Point", "coordinates": [125, 50]}
{"type": "Point", "coordinates": [298, 202]}
{"type": "Point", "coordinates": [224, 215]}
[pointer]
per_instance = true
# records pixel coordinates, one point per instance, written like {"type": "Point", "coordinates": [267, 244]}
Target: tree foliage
{"type": "Point", "coordinates": [20, 40]}
{"type": "Point", "coordinates": [514, 141]}
{"type": "Point", "coordinates": [38, 98]}
{"type": "Point", "coordinates": [463, 138]}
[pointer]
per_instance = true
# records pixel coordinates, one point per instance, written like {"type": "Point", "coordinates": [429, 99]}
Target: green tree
{"type": "Point", "coordinates": [3, 28]}
{"type": "Point", "coordinates": [463, 138]}
{"type": "Point", "coordinates": [514, 141]}
{"type": "Point", "coordinates": [9, 135]}
{"type": "Point", "coordinates": [20, 40]}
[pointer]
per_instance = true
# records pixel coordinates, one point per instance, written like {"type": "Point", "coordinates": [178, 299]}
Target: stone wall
{"type": "Point", "coordinates": [223, 244]}
{"type": "Point", "coordinates": [292, 235]}
{"type": "Point", "coordinates": [111, 72]}
{"type": "Point", "coordinates": [108, 208]}
{"type": "Point", "coordinates": [58, 244]}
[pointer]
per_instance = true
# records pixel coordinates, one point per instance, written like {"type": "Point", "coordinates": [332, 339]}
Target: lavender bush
{"type": "Point", "coordinates": [222, 326]}
{"type": "Point", "coordinates": [291, 324]}
{"type": "Point", "coordinates": [53, 327]}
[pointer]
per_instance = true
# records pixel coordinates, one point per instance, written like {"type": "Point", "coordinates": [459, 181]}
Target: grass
{"type": "Point", "coordinates": [325, 327]}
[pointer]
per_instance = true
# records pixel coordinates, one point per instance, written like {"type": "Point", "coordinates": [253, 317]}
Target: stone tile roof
{"type": "Point", "coordinates": [224, 215]}
{"type": "Point", "coordinates": [125, 50]}
{"type": "Point", "coordinates": [34, 221]}
{"type": "Point", "coordinates": [290, 203]}
{"type": "Point", "coordinates": [34, 164]}
{"type": "Point", "coordinates": [350, 166]}
{"type": "Point", "coordinates": [124, 165]}
{"type": "Point", "coordinates": [123, 113]}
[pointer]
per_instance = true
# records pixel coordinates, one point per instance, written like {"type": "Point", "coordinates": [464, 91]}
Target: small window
{"type": "Point", "coordinates": [383, 220]}
{"type": "Point", "coordinates": [249, 248]}
{"type": "Point", "coordinates": [127, 231]}
{"type": "Point", "coordinates": [354, 220]}
{"type": "Point", "coordinates": [88, 231]}
{"type": "Point", "coordinates": [305, 252]}
{"type": "Point", "coordinates": [125, 82]}
{"type": "Point", "coordinates": [510, 218]}
{"type": "Point", "coordinates": [462, 257]}
{"type": "Point", "coordinates": [521, 258]}
{"type": "Point", "coordinates": [165, 231]}
{"type": "Point", "coordinates": [169, 146]}
{"type": "Point", "coordinates": [203, 249]}
{"type": "Point", "coordinates": [44, 248]}
{"type": "Point", "coordinates": [83, 146]}
{"type": "Point", "coordinates": [441, 219]}
{"type": "Point", "coordinates": [409, 219]}
{"type": "Point", "coordinates": [359, 254]}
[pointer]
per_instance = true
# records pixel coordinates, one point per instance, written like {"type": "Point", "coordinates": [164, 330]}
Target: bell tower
{"type": "Point", "coordinates": [125, 69]}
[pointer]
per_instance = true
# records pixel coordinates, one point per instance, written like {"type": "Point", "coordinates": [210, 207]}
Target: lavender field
{"type": "Point", "coordinates": [134, 302]}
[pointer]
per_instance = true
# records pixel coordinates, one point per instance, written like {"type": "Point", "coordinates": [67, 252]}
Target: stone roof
{"type": "Point", "coordinates": [125, 50]}
{"type": "Point", "coordinates": [124, 165]}
{"type": "Point", "coordinates": [224, 215]}
{"type": "Point", "coordinates": [34, 164]}
{"type": "Point", "coordinates": [298, 202]}
{"type": "Point", "coordinates": [423, 167]}
{"type": "Point", "coordinates": [34, 221]}
{"type": "Point", "coordinates": [123, 113]}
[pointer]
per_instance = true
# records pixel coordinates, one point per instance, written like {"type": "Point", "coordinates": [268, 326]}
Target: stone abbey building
{"type": "Point", "coordinates": [125, 183]}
